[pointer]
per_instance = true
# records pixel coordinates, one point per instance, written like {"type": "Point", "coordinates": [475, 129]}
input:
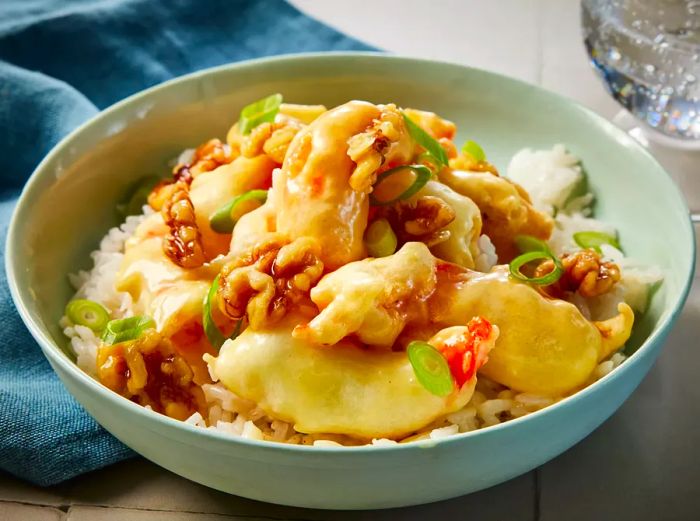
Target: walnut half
{"type": "Point", "coordinates": [148, 371]}
{"type": "Point", "coordinates": [264, 283]}
{"type": "Point", "coordinates": [183, 243]}
{"type": "Point", "coordinates": [206, 157]}
{"type": "Point", "coordinates": [423, 219]}
{"type": "Point", "coordinates": [272, 139]}
{"type": "Point", "coordinates": [371, 148]}
{"type": "Point", "coordinates": [584, 272]}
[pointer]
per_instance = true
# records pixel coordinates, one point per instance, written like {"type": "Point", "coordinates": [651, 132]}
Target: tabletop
{"type": "Point", "coordinates": [641, 464]}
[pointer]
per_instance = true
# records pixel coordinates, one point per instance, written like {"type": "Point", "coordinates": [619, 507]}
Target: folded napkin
{"type": "Point", "coordinates": [60, 62]}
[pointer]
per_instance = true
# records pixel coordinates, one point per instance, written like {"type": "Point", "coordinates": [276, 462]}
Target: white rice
{"type": "Point", "coordinates": [566, 225]}
{"type": "Point", "coordinates": [558, 174]}
{"type": "Point", "coordinates": [550, 176]}
{"type": "Point", "coordinates": [636, 279]}
{"type": "Point", "coordinates": [97, 284]}
{"type": "Point", "coordinates": [487, 257]}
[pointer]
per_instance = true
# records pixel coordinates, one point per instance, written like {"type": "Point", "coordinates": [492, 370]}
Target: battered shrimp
{"type": "Point", "coordinates": [505, 207]}
{"type": "Point", "coordinates": [461, 246]}
{"type": "Point", "coordinates": [347, 389]}
{"type": "Point", "coordinates": [257, 225]}
{"type": "Point", "coordinates": [546, 346]}
{"type": "Point", "coordinates": [210, 190]}
{"type": "Point", "coordinates": [317, 198]}
{"type": "Point", "coordinates": [372, 298]}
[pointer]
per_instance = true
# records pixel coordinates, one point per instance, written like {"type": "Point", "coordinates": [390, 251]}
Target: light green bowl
{"type": "Point", "coordinates": [69, 202]}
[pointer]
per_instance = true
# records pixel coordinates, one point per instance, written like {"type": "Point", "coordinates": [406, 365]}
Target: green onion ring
{"type": "Point", "coordinates": [222, 220]}
{"type": "Point", "coordinates": [214, 335]}
{"type": "Point", "coordinates": [125, 329]}
{"type": "Point", "coordinates": [425, 140]}
{"type": "Point", "coordinates": [261, 111]}
{"type": "Point", "coordinates": [474, 149]}
{"type": "Point", "coordinates": [525, 258]}
{"type": "Point", "coordinates": [380, 239]}
{"type": "Point", "coordinates": [595, 239]}
{"type": "Point", "coordinates": [87, 313]}
{"type": "Point", "coordinates": [423, 175]}
{"type": "Point", "coordinates": [431, 368]}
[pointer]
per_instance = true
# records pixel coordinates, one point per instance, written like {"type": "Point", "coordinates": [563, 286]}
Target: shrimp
{"type": "Point", "coordinates": [346, 389]}
{"type": "Point", "coordinates": [211, 190]}
{"type": "Point", "coordinates": [461, 244]}
{"type": "Point", "coordinates": [324, 192]}
{"type": "Point", "coordinates": [372, 298]}
{"type": "Point", "coordinates": [466, 348]}
{"type": "Point", "coordinates": [546, 346]}
{"type": "Point", "coordinates": [506, 209]}
{"type": "Point", "coordinates": [259, 224]}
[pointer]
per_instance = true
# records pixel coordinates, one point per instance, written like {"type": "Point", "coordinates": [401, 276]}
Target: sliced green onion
{"type": "Point", "coordinates": [214, 335]}
{"type": "Point", "coordinates": [261, 111]}
{"type": "Point", "coordinates": [544, 280]}
{"type": "Point", "coordinates": [380, 239]}
{"type": "Point", "coordinates": [125, 329]}
{"type": "Point", "coordinates": [425, 140]}
{"type": "Point", "coordinates": [595, 239]}
{"type": "Point", "coordinates": [87, 313]}
{"type": "Point", "coordinates": [138, 196]}
{"type": "Point", "coordinates": [474, 149]}
{"type": "Point", "coordinates": [431, 368]}
{"type": "Point", "coordinates": [423, 175]}
{"type": "Point", "coordinates": [225, 218]}
{"type": "Point", "coordinates": [526, 243]}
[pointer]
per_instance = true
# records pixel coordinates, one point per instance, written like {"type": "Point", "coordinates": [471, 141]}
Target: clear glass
{"type": "Point", "coordinates": [647, 52]}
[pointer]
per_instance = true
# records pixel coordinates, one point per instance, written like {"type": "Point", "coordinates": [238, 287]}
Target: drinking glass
{"type": "Point", "coordinates": [647, 53]}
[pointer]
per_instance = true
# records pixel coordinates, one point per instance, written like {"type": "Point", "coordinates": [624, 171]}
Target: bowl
{"type": "Point", "coordinates": [69, 202]}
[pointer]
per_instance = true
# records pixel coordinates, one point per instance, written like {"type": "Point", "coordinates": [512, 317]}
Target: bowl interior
{"type": "Point", "coordinates": [70, 202]}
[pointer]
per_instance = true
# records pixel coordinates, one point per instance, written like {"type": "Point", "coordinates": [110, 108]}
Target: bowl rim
{"type": "Point", "coordinates": [53, 352]}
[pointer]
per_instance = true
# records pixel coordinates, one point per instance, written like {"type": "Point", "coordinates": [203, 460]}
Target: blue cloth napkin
{"type": "Point", "coordinates": [60, 62]}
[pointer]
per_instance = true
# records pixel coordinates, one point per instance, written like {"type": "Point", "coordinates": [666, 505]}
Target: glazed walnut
{"type": "Point", "coordinates": [423, 219]}
{"type": "Point", "coordinates": [371, 148]}
{"type": "Point", "coordinates": [161, 193]}
{"type": "Point", "coordinates": [149, 371]}
{"type": "Point", "coordinates": [205, 158]}
{"type": "Point", "coordinates": [272, 139]}
{"type": "Point", "coordinates": [269, 279]}
{"type": "Point", "coordinates": [183, 242]}
{"type": "Point", "coordinates": [584, 272]}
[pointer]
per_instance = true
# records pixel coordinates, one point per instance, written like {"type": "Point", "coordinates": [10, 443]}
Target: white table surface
{"type": "Point", "coordinates": [642, 464]}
